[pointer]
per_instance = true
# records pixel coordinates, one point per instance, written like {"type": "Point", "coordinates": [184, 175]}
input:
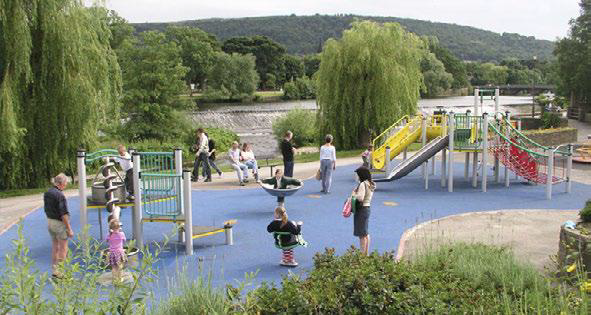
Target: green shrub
{"type": "Point", "coordinates": [290, 91]}
{"type": "Point", "coordinates": [301, 122]}
{"type": "Point", "coordinates": [585, 213]}
{"type": "Point", "coordinates": [301, 89]}
{"type": "Point", "coordinates": [223, 138]}
{"type": "Point", "coordinates": [550, 120]}
{"type": "Point", "coordinates": [454, 279]}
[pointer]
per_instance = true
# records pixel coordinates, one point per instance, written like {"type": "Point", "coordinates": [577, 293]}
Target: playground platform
{"type": "Point", "coordinates": [397, 206]}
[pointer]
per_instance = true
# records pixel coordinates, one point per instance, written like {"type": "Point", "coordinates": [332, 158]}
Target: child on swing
{"type": "Point", "coordinates": [117, 256]}
{"type": "Point", "coordinates": [281, 224]}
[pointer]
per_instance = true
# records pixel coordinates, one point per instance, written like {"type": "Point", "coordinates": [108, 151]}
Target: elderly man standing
{"type": "Point", "coordinates": [58, 221]}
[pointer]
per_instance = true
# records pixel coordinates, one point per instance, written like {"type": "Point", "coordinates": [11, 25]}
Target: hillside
{"type": "Point", "coordinates": [304, 34]}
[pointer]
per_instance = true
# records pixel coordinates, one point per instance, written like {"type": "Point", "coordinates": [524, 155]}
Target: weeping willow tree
{"type": "Point", "coordinates": [367, 80]}
{"type": "Point", "coordinates": [59, 83]}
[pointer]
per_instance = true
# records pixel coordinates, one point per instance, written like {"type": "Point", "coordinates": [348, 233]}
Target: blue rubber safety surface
{"type": "Point", "coordinates": [324, 226]}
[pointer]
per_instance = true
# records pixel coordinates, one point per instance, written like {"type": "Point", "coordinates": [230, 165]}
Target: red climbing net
{"type": "Point", "coordinates": [525, 157]}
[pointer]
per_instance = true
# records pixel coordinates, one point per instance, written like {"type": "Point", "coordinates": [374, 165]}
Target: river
{"type": "Point", "coordinates": [253, 122]}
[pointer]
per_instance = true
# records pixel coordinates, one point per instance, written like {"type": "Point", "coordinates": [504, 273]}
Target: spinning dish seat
{"type": "Point", "coordinates": [281, 192]}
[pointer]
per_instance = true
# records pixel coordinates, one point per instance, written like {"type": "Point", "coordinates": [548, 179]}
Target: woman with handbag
{"type": "Point", "coordinates": [328, 160]}
{"type": "Point", "coordinates": [363, 194]}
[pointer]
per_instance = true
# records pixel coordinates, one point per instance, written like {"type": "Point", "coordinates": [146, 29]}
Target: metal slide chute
{"type": "Point", "coordinates": [417, 159]}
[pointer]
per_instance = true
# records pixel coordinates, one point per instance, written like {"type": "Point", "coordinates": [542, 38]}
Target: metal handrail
{"type": "Point", "coordinates": [388, 129]}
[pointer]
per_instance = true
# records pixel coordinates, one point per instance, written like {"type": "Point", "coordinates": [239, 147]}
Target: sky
{"type": "Point", "coordinates": [544, 19]}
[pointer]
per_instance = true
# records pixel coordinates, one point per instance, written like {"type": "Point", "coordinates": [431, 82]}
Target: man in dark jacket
{"type": "Point", "coordinates": [287, 150]}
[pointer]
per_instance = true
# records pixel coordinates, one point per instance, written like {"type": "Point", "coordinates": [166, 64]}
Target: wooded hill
{"type": "Point", "coordinates": [305, 34]}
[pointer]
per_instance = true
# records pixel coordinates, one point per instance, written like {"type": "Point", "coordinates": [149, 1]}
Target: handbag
{"type": "Point", "coordinates": [349, 207]}
{"type": "Point", "coordinates": [318, 175]}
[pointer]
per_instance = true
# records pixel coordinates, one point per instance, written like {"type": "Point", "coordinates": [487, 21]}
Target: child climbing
{"type": "Point", "coordinates": [117, 256]}
{"type": "Point", "coordinates": [287, 236]}
{"type": "Point", "coordinates": [366, 156]}
{"type": "Point", "coordinates": [281, 182]}
{"type": "Point", "coordinates": [124, 160]}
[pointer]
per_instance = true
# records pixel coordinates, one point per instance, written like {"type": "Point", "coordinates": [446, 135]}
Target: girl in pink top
{"type": "Point", "coordinates": [117, 256]}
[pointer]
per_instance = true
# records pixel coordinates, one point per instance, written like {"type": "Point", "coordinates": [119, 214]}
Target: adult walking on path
{"type": "Point", "coordinates": [288, 151]}
{"type": "Point", "coordinates": [328, 163]}
{"type": "Point", "coordinates": [363, 194]}
{"type": "Point", "coordinates": [211, 158]}
{"type": "Point", "coordinates": [202, 156]}
{"type": "Point", "coordinates": [58, 222]}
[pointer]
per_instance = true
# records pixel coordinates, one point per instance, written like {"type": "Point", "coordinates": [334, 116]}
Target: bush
{"type": "Point", "coordinates": [550, 120]}
{"type": "Point", "coordinates": [223, 138]}
{"type": "Point", "coordinates": [455, 279]}
{"type": "Point", "coordinates": [301, 122]}
{"type": "Point", "coordinates": [290, 91]}
{"type": "Point", "coordinates": [301, 89]}
{"type": "Point", "coordinates": [585, 213]}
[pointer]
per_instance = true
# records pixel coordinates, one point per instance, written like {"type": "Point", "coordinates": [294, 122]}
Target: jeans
{"type": "Point", "coordinates": [212, 164]}
{"type": "Point", "coordinates": [201, 158]}
{"type": "Point", "coordinates": [241, 170]}
{"type": "Point", "coordinates": [252, 164]}
{"type": "Point", "coordinates": [326, 171]}
{"type": "Point", "coordinates": [288, 168]}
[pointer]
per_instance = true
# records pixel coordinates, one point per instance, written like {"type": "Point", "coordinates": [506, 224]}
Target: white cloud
{"type": "Point", "coordinates": [546, 19]}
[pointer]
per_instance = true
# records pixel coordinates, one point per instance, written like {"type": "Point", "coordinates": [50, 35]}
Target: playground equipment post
{"type": "Point", "coordinates": [136, 223]}
{"type": "Point", "coordinates": [80, 158]}
{"type": "Point", "coordinates": [549, 173]}
{"type": "Point", "coordinates": [508, 147]}
{"type": "Point", "coordinates": [188, 213]}
{"type": "Point", "coordinates": [450, 172]}
{"type": "Point", "coordinates": [476, 93]}
{"type": "Point", "coordinates": [484, 150]}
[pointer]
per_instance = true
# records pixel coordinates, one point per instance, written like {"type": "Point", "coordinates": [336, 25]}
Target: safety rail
{"type": "Point", "coordinates": [467, 131]}
{"type": "Point", "coordinates": [157, 162]}
{"type": "Point", "coordinates": [394, 138]}
{"type": "Point", "coordinates": [386, 134]}
{"type": "Point", "coordinates": [527, 139]}
{"type": "Point", "coordinates": [91, 157]}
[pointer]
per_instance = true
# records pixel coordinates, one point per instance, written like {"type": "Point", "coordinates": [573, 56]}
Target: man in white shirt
{"type": "Point", "coordinates": [202, 156]}
{"type": "Point", "coordinates": [126, 164]}
{"type": "Point", "coordinates": [241, 169]}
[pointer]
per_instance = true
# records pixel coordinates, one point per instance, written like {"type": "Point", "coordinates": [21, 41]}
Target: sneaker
{"type": "Point", "coordinates": [207, 180]}
{"type": "Point", "coordinates": [245, 180]}
{"type": "Point", "coordinates": [195, 179]}
{"type": "Point", "coordinates": [292, 263]}
{"type": "Point", "coordinates": [220, 174]}
{"type": "Point", "coordinates": [242, 183]}
{"type": "Point", "coordinates": [131, 197]}
{"type": "Point", "coordinates": [256, 177]}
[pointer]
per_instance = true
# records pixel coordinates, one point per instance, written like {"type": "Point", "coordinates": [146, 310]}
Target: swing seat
{"type": "Point", "coordinates": [299, 241]}
{"type": "Point", "coordinates": [281, 192]}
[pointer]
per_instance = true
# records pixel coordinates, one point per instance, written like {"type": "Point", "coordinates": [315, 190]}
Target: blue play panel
{"type": "Point", "coordinates": [324, 226]}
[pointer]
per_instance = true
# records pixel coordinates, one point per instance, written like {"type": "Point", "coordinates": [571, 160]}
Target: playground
{"type": "Point", "coordinates": [223, 231]}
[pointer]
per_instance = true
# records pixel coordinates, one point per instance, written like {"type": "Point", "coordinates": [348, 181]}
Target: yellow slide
{"type": "Point", "coordinates": [397, 140]}
{"type": "Point", "coordinates": [402, 134]}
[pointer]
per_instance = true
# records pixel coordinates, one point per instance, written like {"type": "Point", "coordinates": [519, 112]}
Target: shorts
{"type": "Point", "coordinates": [57, 229]}
{"type": "Point", "coordinates": [117, 258]}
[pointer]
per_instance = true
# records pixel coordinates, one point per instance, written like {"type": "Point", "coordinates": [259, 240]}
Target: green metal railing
{"type": "Point", "coordinates": [91, 157]}
{"type": "Point", "coordinates": [161, 185]}
{"type": "Point", "coordinates": [467, 131]}
{"type": "Point", "coordinates": [529, 141]}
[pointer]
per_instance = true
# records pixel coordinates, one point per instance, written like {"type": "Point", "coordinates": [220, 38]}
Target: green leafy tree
{"type": "Point", "coordinates": [487, 73]}
{"type": "Point", "coordinates": [311, 64]}
{"type": "Point", "coordinates": [574, 57]}
{"type": "Point", "coordinates": [436, 79]}
{"type": "Point", "coordinates": [294, 67]}
{"type": "Point", "coordinates": [121, 30]}
{"type": "Point", "coordinates": [153, 81]}
{"type": "Point", "coordinates": [233, 76]}
{"type": "Point", "coordinates": [367, 80]}
{"type": "Point", "coordinates": [452, 64]}
{"type": "Point", "coordinates": [59, 83]}
{"type": "Point", "coordinates": [197, 51]}
{"type": "Point", "coordinates": [269, 55]}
